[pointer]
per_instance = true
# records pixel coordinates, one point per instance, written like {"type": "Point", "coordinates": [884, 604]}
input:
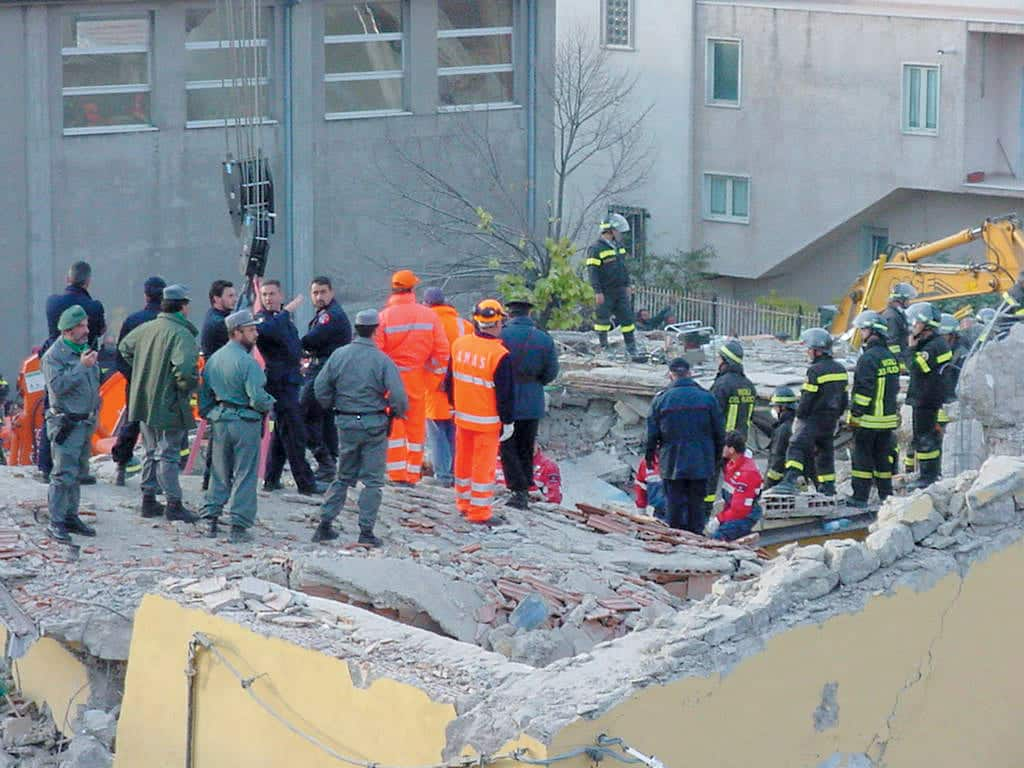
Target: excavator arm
{"type": "Point", "coordinates": [1004, 251]}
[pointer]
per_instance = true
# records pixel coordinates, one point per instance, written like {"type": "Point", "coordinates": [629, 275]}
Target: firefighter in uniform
{"type": "Point", "coordinates": [895, 318]}
{"type": "Point", "coordinates": [482, 385]}
{"type": "Point", "coordinates": [736, 397]}
{"type": "Point", "coordinates": [783, 404]}
{"type": "Point", "coordinates": [949, 329]}
{"type": "Point", "coordinates": [328, 330]}
{"type": "Point", "coordinates": [609, 277]}
{"type": "Point", "coordinates": [929, 356]}
{"type": "Point", "coordinates": [1014, 298]}
{"type": "Point", "coordinates": [874, 413]}
{"type": "Point", "coordinates": [412, 335]}
{"type": "Point", "coordinates": [822, 402]}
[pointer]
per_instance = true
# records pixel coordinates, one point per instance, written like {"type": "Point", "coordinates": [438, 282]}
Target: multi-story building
{"type": "Point", "coordinates": [799, 138]}
{"type": "Point", "coordinates": [114, 135]}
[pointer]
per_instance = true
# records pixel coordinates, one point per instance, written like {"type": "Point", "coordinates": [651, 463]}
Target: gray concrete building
{"type": "Point", "coordinates": [798, 138]}
{"type": "Point", "coordinates": [114, 137]}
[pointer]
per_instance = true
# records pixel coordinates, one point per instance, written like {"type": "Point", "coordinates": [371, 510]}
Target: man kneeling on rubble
{"type": "Point", "coordinates": [741, 487]}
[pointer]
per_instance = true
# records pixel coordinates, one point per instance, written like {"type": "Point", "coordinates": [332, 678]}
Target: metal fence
{"type": "Point", "coordinates": [726, 316]}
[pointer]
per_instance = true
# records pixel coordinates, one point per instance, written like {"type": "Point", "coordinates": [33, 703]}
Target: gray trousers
{"type": "Point", "coordinates": [362, 457]}
{"type": "Point", "coordinates": [64, 491]}
{"type": "Point", "coordinates": [160, 464]}
{"type": "Point", "coordinates": [236, 455]}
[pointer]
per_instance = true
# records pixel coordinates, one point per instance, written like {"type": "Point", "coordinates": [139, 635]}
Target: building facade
{"type": "Point", "coordinates": [812, 135]}
{"type": "Point", "coordinates": [115, 136]}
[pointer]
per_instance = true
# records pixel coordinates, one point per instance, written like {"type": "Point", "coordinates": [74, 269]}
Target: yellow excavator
{"type": "Point", "coordinates": [1004, 259]}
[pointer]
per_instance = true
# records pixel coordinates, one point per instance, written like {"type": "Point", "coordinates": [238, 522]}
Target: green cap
{"type": "Point", "coordinates": [71, 317]}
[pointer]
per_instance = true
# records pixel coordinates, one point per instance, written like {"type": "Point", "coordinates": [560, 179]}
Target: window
{"type": "Point", "coordinates": [224, 58]}
{"type": "Point", "coordinates": [364, 64]}
{"type": "Point", "coordinates": [635, 240]}
{"type": "Point", "coordinates": [618, 23]}
{"type": "Point", "coordinates": [723, 73]}
{"type": "Point", "coordinates": [727, 198]}
{"type": "Point", "coordinates": [920, 99]}
{"type": "Point", "coordinates": [106, 73]}
{"type": "Point", "coordinates": [875, 241]}
{"type": "Point", "coordinates": [474, 52]}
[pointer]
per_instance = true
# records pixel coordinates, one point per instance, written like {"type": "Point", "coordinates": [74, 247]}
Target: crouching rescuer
{"type": "Point", "coordinates": [822, 401]}
{"type": "Point", "coordinates": [741, 488]}
{"type": "Point", "coordinates": [874, 413]}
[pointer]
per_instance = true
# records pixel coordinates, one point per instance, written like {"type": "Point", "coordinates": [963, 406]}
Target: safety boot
{"type": "Point", "coordinates": [519, 500]}
{"type": "Point", "coordinates": [854, 503]}
{"type": "Point", "coordinates": [367, 539]}
{"type": "Point", "coordinates": [75, 524]}
{"type": "Point", "coordinates": [151, 507]}
{"type": "Point", "coordinates": [59, 532]}
{"type": "Point", "coordinates": [827, 489]}
{"type": "Point", "coordinates": [786, 486]}
{"type": "Point", "coordinates": [324, 532]}
{"type": "Point", "coordinates": [240, 535]}
{"type": "Point", "coordinates": [213, 528]}
{"type": "Point", "coordinates": [119, 480]}
{"type": "Point", "coordinates": [176, 511]}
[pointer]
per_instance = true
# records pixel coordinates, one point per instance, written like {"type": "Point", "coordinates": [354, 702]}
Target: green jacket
{"type": "Point", "coordinates": [162, 354]}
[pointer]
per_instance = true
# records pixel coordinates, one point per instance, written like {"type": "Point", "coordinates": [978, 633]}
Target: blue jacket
{"type": "Point", "coordinates": [279, 344]}
{"type": "Point", "coordinates": [133, 321]}
{"type": "Point", "coordinates": [74, 294]}
{"type": "Point", "coordinates": [214, 334]}
{"type": "Point", "coordinates": [685, 429]}
{"type": "Point", "coordinates": [328, 330]}
{"type": "Point", "coordinates": [534, 364]}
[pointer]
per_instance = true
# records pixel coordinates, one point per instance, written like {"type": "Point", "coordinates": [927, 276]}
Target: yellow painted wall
{"type": "Point", "coordinates": [49, 673]}
{"type": "Point", "coordinates": [388, 722]}
{"type": "Point", "coordinates": [942, 666]}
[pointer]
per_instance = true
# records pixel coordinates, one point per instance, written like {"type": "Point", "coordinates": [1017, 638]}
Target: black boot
{"type": "Point", "coordinates": [324, 532]}
{"type": "Point", "coordinates": [59, 532]}
{"type": "Point", "coordinates": [240, 535]}
{"type": "Point", "coordinates": [519, 500]}
{"type": "Point", "coordinates": [272, 485]}
{"type": "Point", "coordinates": [318, 489]}
{"type": "Point", "coordinates": [367, 539]}
{"type": "Point", "coordinates": [827, 489]}
{"type": "Point", "coordinates": [176, 511]}
{"type": "Point", "coordinates": [214, 528]}
{"type": "Point", "coordinates": [151, 507]}
{"type": "Point", "coordinates": [75, 524]}
{"type": "Point", "coordinates": [787, 485]}
{"type": "Point", "coordinates": [854, 503]}
{"type": "Point", "coordinates": [602, 338]}
{"type": "Point", "coordinates": [119, 480]}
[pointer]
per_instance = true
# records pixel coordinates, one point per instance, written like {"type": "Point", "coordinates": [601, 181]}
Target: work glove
{"type": "Point", "coordinates": [712, 527]}
{"type": "Point", "coordinates": [506, 431]}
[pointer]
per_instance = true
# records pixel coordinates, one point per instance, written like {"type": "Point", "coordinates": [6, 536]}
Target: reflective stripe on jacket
{"type": "Point", "coordinates": [475, 361]}
{"type": "Point", "coordinates": [824, 392]}
{"type": "Point", "coordinates": [736, 397]}
{"type": "Point", "coordinates": [606, 266]}
{"type": "Point", "coordinates": [927, 361]}
{"type": "Point", "coordinates": [876, 383]}
{"type": "Point", "coordinates": [412, 335]}
{"type": "Point", "coordinates": [438, 407]}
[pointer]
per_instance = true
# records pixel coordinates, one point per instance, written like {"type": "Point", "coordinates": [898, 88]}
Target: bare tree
{"type": "Point", "coordinates": [597, 133]}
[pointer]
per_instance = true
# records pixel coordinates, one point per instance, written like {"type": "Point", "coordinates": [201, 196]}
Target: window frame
{"type": "Point", "coordinates": [905, 126]}
{"type": "Point", "coordinates": [631, 45]}
{"type": "Point", "coordinates": [727, 218]}
{"type": "Point", "coordinates": [215, 45]}
{"type": "Point", "coordinates": [102, 90]}
{"type": "Point", "coordinates": [383, 74]}
{"type": "Point", "coordinates": [709, 73]}
{"type": "Point", "coordinates": [479, 69]}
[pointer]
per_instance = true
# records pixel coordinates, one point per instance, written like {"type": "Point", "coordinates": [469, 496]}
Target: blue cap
{"type": "Point", "coordinates": [154, 286]}
{"type": "Point", "coordinates": [679, 365]}
{"type": "Point", "coordinates": [433, 296]}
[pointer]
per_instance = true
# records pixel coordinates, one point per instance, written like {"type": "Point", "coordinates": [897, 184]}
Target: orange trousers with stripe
{"type": "Point", "coordinates": [405, 443]}
{"type": "Point", "coordinates": [476, 459]}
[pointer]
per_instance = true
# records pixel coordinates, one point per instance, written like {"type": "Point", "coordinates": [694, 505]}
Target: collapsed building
{"type": "Point", "coordinates": [577, 633]}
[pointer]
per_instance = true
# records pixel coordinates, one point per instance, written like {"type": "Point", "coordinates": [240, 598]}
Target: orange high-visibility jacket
{"type": "Point", "coordinates": [438, 407]}
{"type": "Point", "coordinates": [474, 362]}
{"type": "Point", "coordinates": [412, 335]}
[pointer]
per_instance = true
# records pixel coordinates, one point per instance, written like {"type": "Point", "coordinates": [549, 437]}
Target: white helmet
{"type": "Point", "coordinates": [617, 222]}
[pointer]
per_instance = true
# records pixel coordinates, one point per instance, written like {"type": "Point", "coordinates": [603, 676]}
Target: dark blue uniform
{"type": "Point", "coordinates": [214, 334]}
{"type": "Point", "coordinates": [128, 434]}
{"type": "Point", "coordinates": [328, 330]}
{"type": "Point", "coordinates": [281, 348]}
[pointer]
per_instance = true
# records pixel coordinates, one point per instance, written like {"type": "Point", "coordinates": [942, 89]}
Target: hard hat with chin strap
{"type": "Point", "coordinates": [488, 312]}
{"type": "Point", "coordinates": [615, 221]}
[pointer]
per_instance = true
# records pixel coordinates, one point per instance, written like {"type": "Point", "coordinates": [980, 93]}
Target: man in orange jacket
{"type": "Point", "coordinates": [413, 337]}
{"type": "Point", "coordinates": [440, 427]}
{"type": "Point", "coordinates": [483, 393]}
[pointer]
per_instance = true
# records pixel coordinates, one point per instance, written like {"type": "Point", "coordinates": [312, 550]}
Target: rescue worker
{"type": "Point", "coordinates": [895, 319]}
{"type": "Point", "coordinates": [328, 330]}
{"type": "Point", "coordinates": [128, 434]}
{"type": "Point", "coordinates": [874, 412]}
{"type": "Point", "coordinates": [362, 387]}
{"type": "Point", "coordinates": [685, 436]}
{"type": "Point", "coordinates": [534, 364]}
{"type": "Point", "coordinates": [609, 277]}
{"type": "Point", "coordinates": [163, 355]}
{"type": "Point", "coordinates": [736, 397]}
{"type": "Point", "coordinates": [482, 386]}
{"type": "Point", "coordinates": [648, 490]}
{"type": "Point", "coordinates": [413, 337]}
{"type": "Point", "coordinates": [929, 357]}
{"type": "Point", "coordinates": [822, 401]}
{"type": "Point", "coordinates": [79, 278]}
{"type": "Point", "coordinates": [440, 426]}
{"type": "Point", "coordinates": [741, 489]}
{"type": "Point", "coordinates": [1014, 298]}
{"type": "Point", "coordinates": [783, 403]}
{"type": "Point", "coordinates": [983, 320]}
{"type": "Point", "coordinates": [233, 399]}
{"type": "Point", "coordinates": [278, 342]}
{"type": "Point", "coordinates": [949, 329]}
{"type": "Point", "coordinates": [223, 298]}
{"type": "Point", "coordinates": [73, 384]}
